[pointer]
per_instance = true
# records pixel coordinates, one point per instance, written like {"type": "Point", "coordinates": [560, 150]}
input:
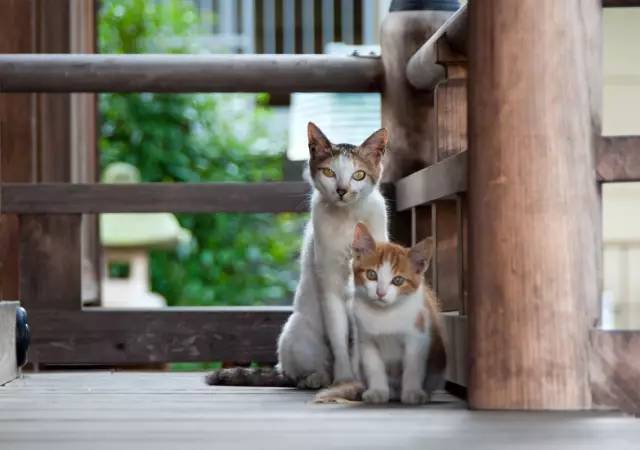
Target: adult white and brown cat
{"type": "Point", "coordinates": [399, 332]}
{"type": "Point", "coordinates": [313, 346]}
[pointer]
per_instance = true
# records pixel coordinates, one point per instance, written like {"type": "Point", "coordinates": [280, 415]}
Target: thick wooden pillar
{"type": "Point", "coordinates": [45, 137]}
{"type": "Point", "coordinates": [533, 111]}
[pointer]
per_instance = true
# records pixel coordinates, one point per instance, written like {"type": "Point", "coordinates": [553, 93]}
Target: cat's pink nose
{"type": "Point", "coordinates": [380, 293]}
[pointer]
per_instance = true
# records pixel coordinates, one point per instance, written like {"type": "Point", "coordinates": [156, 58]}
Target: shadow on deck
{"type": "Point", "coordinates": [140, 410]}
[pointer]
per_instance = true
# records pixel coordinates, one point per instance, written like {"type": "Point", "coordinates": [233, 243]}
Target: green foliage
{"type": "Point", "coordinates": [234, 259]}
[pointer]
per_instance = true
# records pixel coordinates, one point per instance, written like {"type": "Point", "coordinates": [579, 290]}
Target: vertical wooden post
{"type": "Point", "coordinates": [16, 136]}
{"type": "Point", "coordinates": [50, 261]}
{"type": "Point", "coordinates": [450, 139]}
{"type": "Point", "coordinates": [533, 104]}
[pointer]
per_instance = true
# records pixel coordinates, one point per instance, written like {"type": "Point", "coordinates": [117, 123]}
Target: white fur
{"type": "Point", "coordinates": [393, 350]}
{"type": "Point", "coordinates": [313, 346]}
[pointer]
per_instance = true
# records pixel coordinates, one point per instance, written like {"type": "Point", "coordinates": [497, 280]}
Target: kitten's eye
{"type": "Point", "coordinates": [397, 281]}
{"type": "Point", "coordinates": [328, 172]}
{"type": "Point", "coordinates": [358, 175]}
{"type": "Point", "coordinates": [372, 275]}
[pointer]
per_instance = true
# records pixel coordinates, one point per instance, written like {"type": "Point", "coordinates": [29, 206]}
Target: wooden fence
{"type": "Point", "coordinates": [513, 208]}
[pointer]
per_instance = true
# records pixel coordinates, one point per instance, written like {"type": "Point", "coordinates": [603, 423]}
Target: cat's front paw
{"type": "Point", "coordinates": [375, 396]}
{"type": "Point", "coordinates": [414, 397]}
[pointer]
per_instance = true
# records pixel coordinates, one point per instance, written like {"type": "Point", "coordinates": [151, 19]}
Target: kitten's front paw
{"type": "Point", "coordinates": [375, 396]}
{"type": "Point", "coordinates": [414, 397]}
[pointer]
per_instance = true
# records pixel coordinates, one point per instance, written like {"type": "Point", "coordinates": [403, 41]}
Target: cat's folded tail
{"type": "Point", "coordinates": [350, 391]}
{"type": "Point", "coordinates": [249, 376]}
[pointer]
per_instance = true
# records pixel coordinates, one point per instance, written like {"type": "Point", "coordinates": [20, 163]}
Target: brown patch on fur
{"type": "Point", "coordinates": [420, 322]}
{"type": "Point", "coordinates": [397, 256]}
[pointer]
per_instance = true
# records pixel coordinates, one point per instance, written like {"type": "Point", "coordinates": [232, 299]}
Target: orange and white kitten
{"type": "Point", "coordinates": [398, 328]}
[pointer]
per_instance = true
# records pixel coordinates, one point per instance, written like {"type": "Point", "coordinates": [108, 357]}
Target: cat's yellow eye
{"type": "Point", "coordinates": [372, 275]}
{"type": "Point", "coordinates": [328, 172]}
{"type": "Point", "coordinates": [359, 175]}
{"type": "Point", "coordinates": [397, 281]}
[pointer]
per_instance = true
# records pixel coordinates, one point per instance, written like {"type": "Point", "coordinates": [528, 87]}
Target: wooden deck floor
{"type": "Point", "coordinates": [177, 411]}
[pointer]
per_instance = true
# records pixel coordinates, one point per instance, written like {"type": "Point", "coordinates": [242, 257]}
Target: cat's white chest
{"type": "Point", "coordinates": [396, 321]}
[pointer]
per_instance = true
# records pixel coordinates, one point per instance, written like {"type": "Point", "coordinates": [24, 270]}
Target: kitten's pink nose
{"type": "Point", "coordinates": [380, 293]}
{"type": "Point", "coordinates": [341, 192]}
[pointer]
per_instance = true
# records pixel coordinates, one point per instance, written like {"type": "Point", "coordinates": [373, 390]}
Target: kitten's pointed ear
{"type": "Point", "coordinates": [375, 145]}
{"type": "Point", "coordinates": [319, 145]}
{"type": "Point", "coordinates": [420, 255]}
{"type": "Point", "coordinates": [363, 242]}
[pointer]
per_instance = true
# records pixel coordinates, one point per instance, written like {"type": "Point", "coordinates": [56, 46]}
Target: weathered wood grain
{"type": "Point", "coordinates": [155, 197]}
{"type": "Point", "coordinates": [615, 369]}
{"type": "Point", "coordinates": [443, 179]}
{"type": "Point", "coordinates": [159, 411]}
{"type": "Point", "coordinates": [619, 159]}
{"type": "Point", "coordinates": [189, 73]}
{"type": "Point", "coordinates": [50, 267]}
{"type": "Point", "coordinates": [120, 337]}
{"type": "Point", "coordinates": [17, 140]}
{"type": "Point", "coordinates": [456, 335]}
{"type": "Point", "coordinates": [128, 337]}
{"type": "Point", "coordinates": [407, 113]}
{"type": "Point", "coordinates": [8, 361]}
{"type": "Point", "coordinates": [445, 275]}
{"type": "Point", "coordinates": [451, 117]}
{"type": "Point", "coordinates": [533, 201]}
{"type": "Point", "coordinates": [451, 139]}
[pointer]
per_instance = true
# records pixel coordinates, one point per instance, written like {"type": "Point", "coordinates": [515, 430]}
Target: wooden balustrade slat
{"type": "Point", "coordinates": [441, 180]}
{"type": "Point", "coordinates": [614, 369]}
{"type": "Point", "coordinates": [619, 159]}
{"type": "Point", "coordinates": [50, 261]}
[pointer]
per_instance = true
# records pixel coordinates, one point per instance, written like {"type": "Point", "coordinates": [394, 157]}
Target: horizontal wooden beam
{"type": "Point", "coordinates": [441, 180]}
{"type": "Point", "coordinates": [620, 3]}
{"type": "Point", "coordinates": [615, 369]}
{"type": "Point", "coordinates": [619, 159]}
{"type": "Point", "coordinates": [188, 73]}
{"type": "Point", "coordinates": [59, 198]}
{"type": "Point", "coordinates": [120, 337]}
{"type": "Point", "coordinates": [423, 70]}
{"type": "Point", "coordinates": [108, 336]}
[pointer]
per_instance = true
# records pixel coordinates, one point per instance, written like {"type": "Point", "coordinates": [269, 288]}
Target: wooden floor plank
{"type": "Point", "coordinates": [103, 410]}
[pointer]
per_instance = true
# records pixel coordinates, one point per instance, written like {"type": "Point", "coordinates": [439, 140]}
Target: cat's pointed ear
{"type": "Point", "coordinates": [375, 145]}
{"type": "Point", "coordinates": [420, 255]}
{"type": "Point", "coordinates": [319, 145]}
{"type": "Point", "coordinates": [363, 242]}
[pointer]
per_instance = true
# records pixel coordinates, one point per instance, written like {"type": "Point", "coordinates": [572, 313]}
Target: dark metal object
{"type": "Point", "coordinates": [419, 5]}
{"type": "Point", "coordinates": [23, 336]}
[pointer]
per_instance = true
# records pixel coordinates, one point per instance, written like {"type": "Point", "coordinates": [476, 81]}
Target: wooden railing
{"type": "Point", "coordinates": [432, 201]}
{"type": "Point", "coordinates": [613, 356]}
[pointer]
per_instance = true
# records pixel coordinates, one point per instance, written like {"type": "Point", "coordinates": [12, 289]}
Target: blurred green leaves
{"type": "Point", "coordinates": [234, 259]}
